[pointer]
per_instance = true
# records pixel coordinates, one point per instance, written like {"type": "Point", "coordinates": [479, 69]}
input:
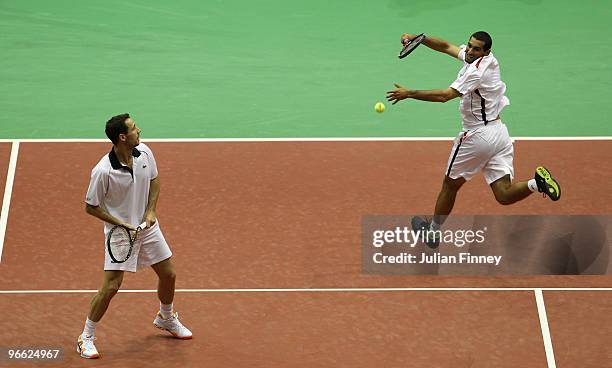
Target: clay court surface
{"type": "Point", "coordinates": [266, 237]}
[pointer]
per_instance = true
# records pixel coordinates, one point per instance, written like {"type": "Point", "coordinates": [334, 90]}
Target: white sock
{"type": "Point", "coordinates": [90, 327]}
{"type": "Point", "coordinates": [165, 310]}
{"type": "Point", "coordinates": [533, 186]}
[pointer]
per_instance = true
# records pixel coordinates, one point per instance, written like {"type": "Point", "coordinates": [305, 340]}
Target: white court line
{"type": "Point", "coordinates": [8, 190]}
{"type": "Point", "coordinates": [303, 290]}
{"type": "Point", "coordinates": [550, 355]}
{"type": "Point", "coordinates": [323, 139]}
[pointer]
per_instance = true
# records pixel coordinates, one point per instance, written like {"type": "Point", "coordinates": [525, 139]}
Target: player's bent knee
{"type": "Point", "coordinates": [170, 275]}
{"type": "Point", "coordinates": [501, 190]}
{"type": "Point", "coordinates": [109, 291]}
{"type": "Point", "coordinates": [502, 196]}
{"type": "Point", "coordinates": [110, 287]}
{"type": "Point", "coordinates": [503, 200]}
{"type": "Point", "coordinates": [452, 185]}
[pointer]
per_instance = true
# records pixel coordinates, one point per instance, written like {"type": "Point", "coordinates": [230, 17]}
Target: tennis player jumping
{"type": "Point", "coordinates": [123, 190]}
{"type": "Point", "coordinates": [484, 143]}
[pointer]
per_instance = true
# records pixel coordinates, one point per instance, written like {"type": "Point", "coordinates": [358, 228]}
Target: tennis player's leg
{"type": "Point", "coordinates": [99, 305]}
{"type": "Point", "coordinates": [446, 198]}
{"type": "Point", "coordinates": [166, 319]}
{"type": "Point", "coordinates": [469, 154]}
{"type": "Point", "coordinates": [506, 192]}
{"type": "Point", "coordinates": [444, 206]}
{"type": "Point", "coordinates": [166, 280]}
{"type": "Point", "coordinates": [155, 252]}
{"type": "Point", "coordinates": [499, 170]}
{"type": "Point", "coordinates": [110, 287]}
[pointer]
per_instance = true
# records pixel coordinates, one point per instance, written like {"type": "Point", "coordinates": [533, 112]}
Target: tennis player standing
{"type": "Point", "coordinates": [123, 190]}
{"type": "Point", "coordinates": [484, 144]}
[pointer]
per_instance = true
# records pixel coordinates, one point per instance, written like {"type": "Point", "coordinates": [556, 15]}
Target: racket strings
{"type": "Point", "coordinates": [120, 242]}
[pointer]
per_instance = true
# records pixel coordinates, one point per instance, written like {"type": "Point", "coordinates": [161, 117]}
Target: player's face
{"type": "Point", "coordinates": [132, 137]}
{"type": "Point", "coordinates": [474, 50]}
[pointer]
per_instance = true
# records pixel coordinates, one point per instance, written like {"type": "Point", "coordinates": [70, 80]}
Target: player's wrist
{"type": "Point", "coordinates": [406, 37]}
{"type": "Point", "coordinates": [127, 226]}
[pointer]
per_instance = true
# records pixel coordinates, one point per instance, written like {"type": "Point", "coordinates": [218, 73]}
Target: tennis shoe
{"type": "Point", "coordinates": [431, 238]}
{"type": "Point", "coordinates": [172, 325]}
{"type": "Point", "coordinates": [86, 347]}
{"type": "Point", "coordinates": [546, 184]}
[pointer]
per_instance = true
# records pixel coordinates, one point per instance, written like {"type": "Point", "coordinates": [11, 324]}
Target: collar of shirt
{"type": "Point", "coordinates": [116, 164]}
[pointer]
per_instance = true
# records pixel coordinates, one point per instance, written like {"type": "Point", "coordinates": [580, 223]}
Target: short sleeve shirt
{"type": "Point", "coordinates": [122, 191]}
{"type": "Point", "coordinates": [482, 90]}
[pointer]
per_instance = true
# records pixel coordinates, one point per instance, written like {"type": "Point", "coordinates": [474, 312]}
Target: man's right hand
{"type": "Point", "coordinates": [407, 37]}
{"type": "Point", "coordinates": [434, 44]}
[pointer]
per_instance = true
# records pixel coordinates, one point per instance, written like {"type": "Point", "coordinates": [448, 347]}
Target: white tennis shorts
{"type": "Point", "coordinates": [488, 148]}
{"type": "Point", "coordinates": [150, 248]}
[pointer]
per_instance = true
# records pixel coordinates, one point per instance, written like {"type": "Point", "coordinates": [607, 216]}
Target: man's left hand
{"type": "Point", "coordinates": [150, 219]}
{"type": "Point", "coordinates": [398, 94]}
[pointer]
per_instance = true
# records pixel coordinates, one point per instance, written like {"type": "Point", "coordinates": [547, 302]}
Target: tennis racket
{"type": "Point", "coordinates": [120, 241]}
{"type": "Point", "coordinates": [410, 45]}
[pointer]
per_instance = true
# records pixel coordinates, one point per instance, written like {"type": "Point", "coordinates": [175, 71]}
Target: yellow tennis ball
{"type": "Point", "coordinates": [379, 107]}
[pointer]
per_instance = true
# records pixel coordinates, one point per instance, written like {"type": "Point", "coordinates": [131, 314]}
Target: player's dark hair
{"type": "Point", "coordinates": [115, 126]}
{"type": "Point", "coordinates": [484, 37]}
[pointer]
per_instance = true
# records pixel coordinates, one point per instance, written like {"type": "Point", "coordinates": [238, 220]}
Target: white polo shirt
{"type": "Point", "coordinates": [122, 191]}
{"type": "Point", "coordinates": [482, 89]}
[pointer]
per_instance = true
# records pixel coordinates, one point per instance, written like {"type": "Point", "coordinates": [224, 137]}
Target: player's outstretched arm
{"type": "Point", "coordinates": [436, 44]}
{"type": "Point", "coordinates": [433, 95]}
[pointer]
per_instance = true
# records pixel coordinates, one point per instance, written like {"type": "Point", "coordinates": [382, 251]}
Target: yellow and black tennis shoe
{"type": "Point", "coordinates": [546, 183]}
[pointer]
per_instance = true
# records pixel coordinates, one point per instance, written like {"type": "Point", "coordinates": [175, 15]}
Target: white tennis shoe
{"type": "Point", "coordinates": [172, 325]}
{"type": "Point", "coordinates": [86, 347]}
